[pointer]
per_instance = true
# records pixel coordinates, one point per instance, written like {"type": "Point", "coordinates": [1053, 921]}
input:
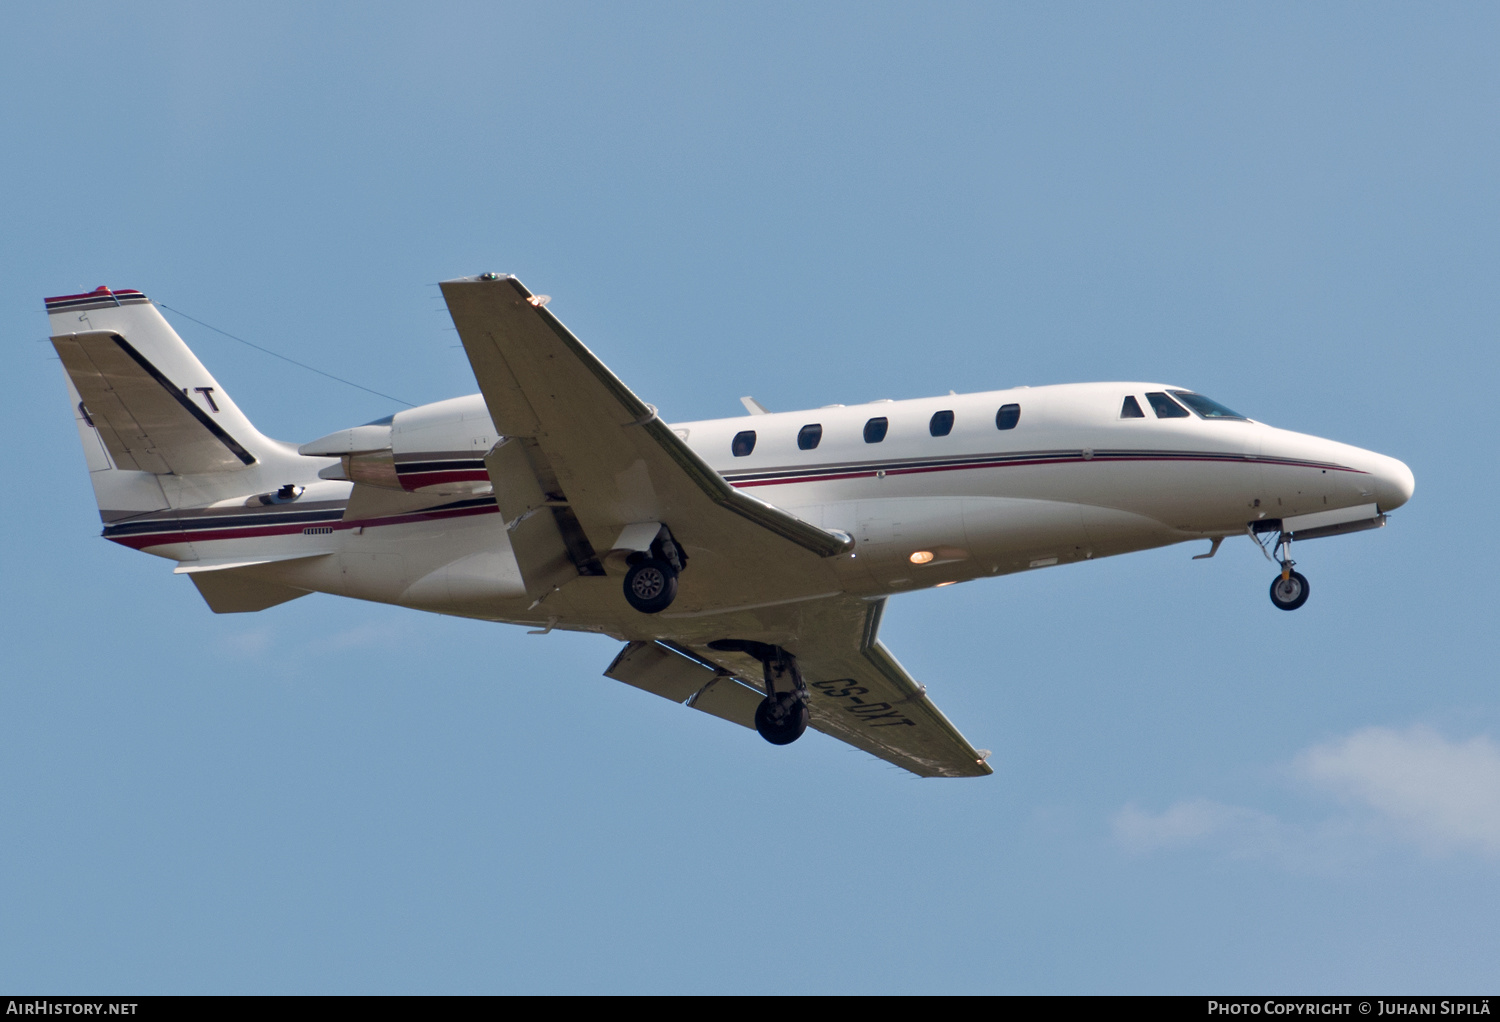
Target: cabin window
{"type": "Point", "coordinates": [1165, 407]}
{"type": "Point", "coordinates": [744, 443]}
{"type": "Point", "coordinates": [941, 424]}
{"type": "Point", "coordinates": [1206, 407]}
{"type": "Point", "coordinates": [1131, 409]}
{"type": "Point", "coordinates": [1007, 416]}
{"type": "Point", "coordinates": [875, 429]}
{"type": "Point", "coordinates": [809, 436]}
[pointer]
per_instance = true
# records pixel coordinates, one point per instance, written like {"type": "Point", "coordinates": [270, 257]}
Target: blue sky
{"type": "Point", "coordinates": [1291, 208]}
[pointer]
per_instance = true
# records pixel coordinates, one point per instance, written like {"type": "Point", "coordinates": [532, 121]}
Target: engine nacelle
{"type": "Point", "coordinates": [437, 448]}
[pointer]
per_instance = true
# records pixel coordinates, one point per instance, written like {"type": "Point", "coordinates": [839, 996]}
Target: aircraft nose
{"type": "Point", "coordinates": [1394, 483]}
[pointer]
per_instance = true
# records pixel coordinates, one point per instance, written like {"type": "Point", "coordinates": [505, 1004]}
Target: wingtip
{"type": "Point", "coordinates": [478, 278]}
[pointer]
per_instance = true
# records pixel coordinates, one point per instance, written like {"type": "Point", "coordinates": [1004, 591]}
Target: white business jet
{"type": "Point", "coordinates": [744, 562]}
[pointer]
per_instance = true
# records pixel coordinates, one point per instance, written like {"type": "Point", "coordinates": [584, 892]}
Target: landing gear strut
{"type": "Point", "coordinates": [782, 715]}
{"type": "Point", "coordinates": [1289, 590]}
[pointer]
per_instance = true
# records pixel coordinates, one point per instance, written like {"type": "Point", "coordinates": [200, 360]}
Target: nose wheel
{"type": "Point", "coordinates": [1289, 590]}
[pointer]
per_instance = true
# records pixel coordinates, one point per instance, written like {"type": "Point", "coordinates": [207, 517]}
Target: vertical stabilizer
{"type": "Point", "coordinates": [158, 430]}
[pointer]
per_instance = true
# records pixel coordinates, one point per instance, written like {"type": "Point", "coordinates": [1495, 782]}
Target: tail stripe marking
{"type": "Point", "coordinates": [96, 300]}
{"type": "Point", "coordinates": [186, 402]}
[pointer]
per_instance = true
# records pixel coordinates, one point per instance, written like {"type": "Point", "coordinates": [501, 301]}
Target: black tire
{"type": "Point", "coordinates": [650, 586]}
{"type": "Point", "coordinates": [781, 728]}
{"type": "Point", "coordinates": [1289, 593]}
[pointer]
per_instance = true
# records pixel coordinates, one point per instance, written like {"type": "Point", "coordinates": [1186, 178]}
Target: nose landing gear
{"type": "Point", "coordinates": [1289, 589]}
{"type": "Point", "coordinates": [782, 715]}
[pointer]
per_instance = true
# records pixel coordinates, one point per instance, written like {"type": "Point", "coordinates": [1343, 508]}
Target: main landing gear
{"type": "Point", "coordinates": [1289, 589]}
{"type": "Point", "coordinates": [650, 585]}
{"type": "Point", "coordinates": [651, 581]}
{"type": "Point", "coordinates": [782, 715]}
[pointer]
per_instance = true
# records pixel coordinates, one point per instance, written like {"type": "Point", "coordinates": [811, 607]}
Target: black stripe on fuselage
{"type": "Point", "coordinates": [205, 520]}
{"type": "Point", "coordinates": [455, 464]}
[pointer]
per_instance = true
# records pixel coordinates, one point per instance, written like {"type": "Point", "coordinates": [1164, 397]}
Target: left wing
{"type": "Point", "coordinates": [602, 462]}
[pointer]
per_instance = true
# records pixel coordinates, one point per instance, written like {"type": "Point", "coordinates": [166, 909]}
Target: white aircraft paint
{"type": "Point", "coordinates": [412, 510]}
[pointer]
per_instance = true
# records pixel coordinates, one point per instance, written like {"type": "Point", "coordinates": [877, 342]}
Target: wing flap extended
{"type": "Point", "coordinates": [668, 672]}
{"type": "Point", "coordinates": [548, 544]}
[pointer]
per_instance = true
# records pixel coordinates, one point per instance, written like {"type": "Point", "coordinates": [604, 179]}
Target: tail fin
{"type": "Point", "coordinates": [147, 409]}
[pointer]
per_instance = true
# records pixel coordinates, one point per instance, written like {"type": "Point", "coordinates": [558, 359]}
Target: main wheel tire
{"type": "Point", "coordinates": [650, 586]}
{"type": "Point", "coordinates": [781, 724]}
{"type": "Point", "coordinates": [1289, 593]}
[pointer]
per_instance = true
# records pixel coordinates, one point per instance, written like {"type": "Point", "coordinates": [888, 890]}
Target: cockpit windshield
{"type": "Point", "coordinates": [1205, 407]}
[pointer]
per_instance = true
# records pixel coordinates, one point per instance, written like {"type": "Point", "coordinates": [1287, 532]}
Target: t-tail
{"type": "Point", "coordinates": [158, 430]}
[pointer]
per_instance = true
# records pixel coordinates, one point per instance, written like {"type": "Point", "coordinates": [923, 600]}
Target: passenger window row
{"type": "Point", "coordinates": [941, 424]}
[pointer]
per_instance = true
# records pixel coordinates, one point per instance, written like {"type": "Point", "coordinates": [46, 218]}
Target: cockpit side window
{"type": "Point", "coordinates": [809, 436]}
{"type": "Point", "coordinates": [941, 424]}
{"type": "Point", "coordinates": [743, 443]}
{"type": "Point", "coordinates": [875, 429]}
{"type": "Point", "coordinates": [1131, 409]}
{"type": "Point", "coordinates": [1166, 408]}
{"type": "Point", "coordinates": [1206, 407]}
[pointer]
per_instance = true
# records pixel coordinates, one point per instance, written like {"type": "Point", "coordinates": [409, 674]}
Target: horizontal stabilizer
{"type": "Point", "coordinates": [229, 587]}
{"type": "Point", "coordinates": [144, 420]}
{"type": "Point", "coordinates": [232, 592]}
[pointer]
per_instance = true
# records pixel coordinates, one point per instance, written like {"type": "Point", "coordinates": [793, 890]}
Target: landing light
{"type": "Point", "coordinates": [941, 584]}
{"type": "Point", "coordinates": [921, 557]}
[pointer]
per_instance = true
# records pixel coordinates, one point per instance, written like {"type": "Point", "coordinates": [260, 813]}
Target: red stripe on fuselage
{"type": "Point", "coordinates": [436, 477]}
